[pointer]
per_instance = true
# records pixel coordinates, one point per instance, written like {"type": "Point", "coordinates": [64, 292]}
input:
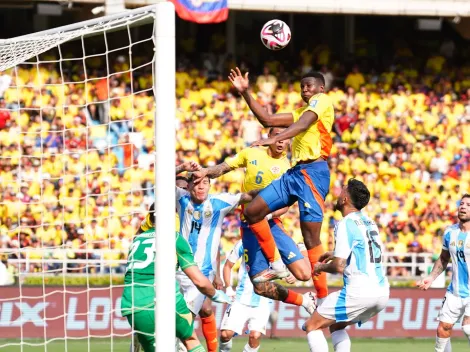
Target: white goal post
{"type": "Point", "coordinates": [27, 49]}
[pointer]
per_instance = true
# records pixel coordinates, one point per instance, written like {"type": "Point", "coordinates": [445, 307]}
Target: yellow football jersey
{"type": "Point", "coordinates": [261, 169]}
{"type": "Point", "coordinates": [316, 141]}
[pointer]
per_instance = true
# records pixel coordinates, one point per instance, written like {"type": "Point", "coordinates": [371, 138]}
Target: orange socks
{"type": "Point", "coordinates": [262, 232]}
{"type": "Point", "coordinates": [319, 281]}
{"type": "Point", "coordinates": [294, 298]}
{"type": "Point", "coordinates": [209, 330]}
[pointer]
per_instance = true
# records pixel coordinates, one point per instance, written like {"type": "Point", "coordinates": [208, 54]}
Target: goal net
{"type": "Point", "coordinates": [86, 121]}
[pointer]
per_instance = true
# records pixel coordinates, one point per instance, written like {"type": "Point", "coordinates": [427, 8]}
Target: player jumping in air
{"type": "Point", "coordinates": [262, 166]}
{"type": "Point", "coordinates": [247, 308]}
{"type": "Point", "coordinates": [358, 256]}
{"type": "Point", "coordinates": [306, 182]}
{"type": "Point", "coordinates": [138, 296]}
{"type": "Point", "coordinates": [456, 245]}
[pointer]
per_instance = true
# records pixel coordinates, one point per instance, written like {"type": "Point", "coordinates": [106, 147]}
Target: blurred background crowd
{"type": "Point", "coordinates": [76, 173]}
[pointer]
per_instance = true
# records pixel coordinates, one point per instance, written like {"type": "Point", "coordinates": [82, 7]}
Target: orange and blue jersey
{"type": "Point", "coordinates": [308, 181]}
{"type": "Point", "coordinates": [316, 141]}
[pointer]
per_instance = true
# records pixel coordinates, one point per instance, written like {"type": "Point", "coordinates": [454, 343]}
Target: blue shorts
{"type": "Point", "coordinates": [256, 261]}
{"type": "Point", "coordinates": [306, 183]}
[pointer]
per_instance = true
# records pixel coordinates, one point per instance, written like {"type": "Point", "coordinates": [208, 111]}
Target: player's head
{"type": "Point", "coordinates": [312, 83]}
{"type": "Point", "coordinates": [354, 196]}
{"type": "Point", "coordinates": [200, 190]}
{"type": "Point", "coordinates": [464, 209]}
{"type": "Point", "coordinates": [280, 147]}
{"type": "Point", "coordinates": [182, 182]}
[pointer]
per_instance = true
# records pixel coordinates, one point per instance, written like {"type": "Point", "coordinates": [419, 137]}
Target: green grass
{"type": "Point", "coordinates": [279, 345]}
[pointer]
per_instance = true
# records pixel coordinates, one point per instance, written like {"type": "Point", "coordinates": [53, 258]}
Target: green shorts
{"type": "Point", "coordinates": [144, 323]}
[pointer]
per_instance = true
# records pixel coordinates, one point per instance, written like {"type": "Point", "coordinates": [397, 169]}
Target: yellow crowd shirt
{"type": "Point", "coordinates": [261, 169]}
{"type": "Point", "coordinates": [316, 141]}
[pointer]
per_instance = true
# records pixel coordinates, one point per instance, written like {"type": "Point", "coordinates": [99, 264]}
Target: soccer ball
{"type": "Point", "coordinates": [275, 35]}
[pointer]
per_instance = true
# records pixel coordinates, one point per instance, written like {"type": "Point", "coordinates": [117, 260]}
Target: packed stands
{"type": "Point", "coordinates": [70, 179]}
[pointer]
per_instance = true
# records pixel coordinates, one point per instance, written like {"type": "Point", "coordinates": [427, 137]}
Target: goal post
{"type": "Point", "coordinates": [24, 53]}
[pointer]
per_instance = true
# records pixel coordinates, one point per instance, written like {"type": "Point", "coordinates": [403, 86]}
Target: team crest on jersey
{"type": "Point", "coordinates": [275, 169]}
{"type": "Point", "coordinates": [190, 212]}
{"type": "Point", "coordinates": [197, 214]}
{"type": "Point", "coordinates": [313, 103]}
{"type": "Point", "coordinates": [452, 243]}
{"type": "Point", "coordinates": [207, 214]}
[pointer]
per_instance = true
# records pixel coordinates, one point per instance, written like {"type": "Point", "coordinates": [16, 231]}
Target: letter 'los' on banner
{"type": "Point", "coordinates": [202, 11]}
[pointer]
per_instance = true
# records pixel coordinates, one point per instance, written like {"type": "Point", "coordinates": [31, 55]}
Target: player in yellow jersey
{"type": "Point", "coordinates": [262, 166]}
{"type": "Point", "coordinates": [306, 182]}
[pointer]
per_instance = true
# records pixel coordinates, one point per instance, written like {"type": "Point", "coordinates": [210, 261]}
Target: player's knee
{"type": "Point", "coordinates": [226, 335]}
{"type": "Point", "coordinates": [252, 215]}
{"type": "Point", "coordinates": [466, 330]}
{"type": "Point", "coordinates": [205, 312]}
{"type": "Point", "coordinates": [254, 339]}
{"type": "Point", "coordinates": [444, 329]}
{"type": "Point", "coordinates": [303, 274]}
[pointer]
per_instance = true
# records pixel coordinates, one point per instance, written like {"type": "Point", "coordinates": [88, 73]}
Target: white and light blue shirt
{"type": "Point", "coordinates": [358, 241]}
{"type": "Point", "coordinates": [245, 293]}
{"type": "Point", "coordinates": [457, 243]}
{"type": "Point", "coordinates": [201, 225]}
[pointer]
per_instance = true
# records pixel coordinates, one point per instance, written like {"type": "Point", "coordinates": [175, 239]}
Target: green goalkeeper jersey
{"type": "Point", "coordinates": [140, 271]}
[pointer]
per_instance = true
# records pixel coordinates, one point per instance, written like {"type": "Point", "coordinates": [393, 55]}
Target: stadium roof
{"type": "Point", "coordinates": [440, 8]}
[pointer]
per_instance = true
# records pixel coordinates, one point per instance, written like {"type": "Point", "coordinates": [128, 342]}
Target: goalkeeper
{"type": "Point", "coordinates": [138, 296]}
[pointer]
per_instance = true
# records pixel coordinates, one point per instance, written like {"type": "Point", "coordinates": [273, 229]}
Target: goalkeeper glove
{"type": "Point", "coordinates": [221, 297]}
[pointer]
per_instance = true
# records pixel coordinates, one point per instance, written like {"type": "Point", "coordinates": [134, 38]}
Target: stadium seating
{"type": "Point", "coordinates": [407, 135]}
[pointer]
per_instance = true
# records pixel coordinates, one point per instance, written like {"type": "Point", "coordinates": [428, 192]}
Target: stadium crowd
{"type": "Point", "coordinates": [70, 181]}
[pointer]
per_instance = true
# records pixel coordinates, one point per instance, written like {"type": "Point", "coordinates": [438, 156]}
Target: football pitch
{"type": "Point", "coordinates": [280, 345]}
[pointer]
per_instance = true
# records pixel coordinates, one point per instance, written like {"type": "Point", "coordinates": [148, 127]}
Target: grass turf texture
{"type": "Point", "coordinates": [280, 345]}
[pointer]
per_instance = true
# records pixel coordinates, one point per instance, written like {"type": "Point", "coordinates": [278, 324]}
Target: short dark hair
{"type": "Point", "coordinates": [181, 178]}
{"type": "Point", "coordinates": [358, 193]}
{"type": "Point", "coordinates": [317, 75]}
{"type": "Point", "coordinates": [466, 195]}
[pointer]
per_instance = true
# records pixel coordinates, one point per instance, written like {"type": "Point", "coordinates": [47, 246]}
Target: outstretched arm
{"type": "Point", "coordinates": [212, 171]}
{"type": "Point", "coordinates": [242, 83]}
{"type": "Point", "coordinates": [300, 126]}
{"type": "Point", "coordinates": [189, 166]}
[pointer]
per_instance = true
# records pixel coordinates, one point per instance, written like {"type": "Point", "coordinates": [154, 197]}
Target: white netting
{"type": "Point", "coordinates": [76, 179]}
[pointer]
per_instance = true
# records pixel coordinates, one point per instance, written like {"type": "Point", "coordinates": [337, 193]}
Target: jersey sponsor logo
{"type": "Point", "coordinates": [275, 169]}
{"type": "Point", "coordinates": [313, 103]}
{"type": "Point", "coordinates": [254, 162]}
{"type": "Point", "coordinates": [291, 255]}
{"type": "Point", "coordinates": [460, 243]}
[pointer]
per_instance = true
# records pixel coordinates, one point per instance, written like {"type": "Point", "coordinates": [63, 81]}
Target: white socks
{"type": "Point", "coordinates": [466, 331]}
{"type": "Point", "coordinates": [225, 346]}
{"type": "Point", "coordinates": [448, 347]}
{"type": "Point", "coordinates": [247, 348]}
{"type": "Point", "coordinates": [317, 341]}
{"type": "Point", "coordinates": [441, 344]}
{"type": "Point", "coordinates": [341, 341]}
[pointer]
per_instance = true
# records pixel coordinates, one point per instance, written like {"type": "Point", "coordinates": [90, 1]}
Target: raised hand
{"type": "Point", "coordinates": [240, 82]}
{"type": "Point", "coordinates": [263, 142]}
{"type": "Point", "coordinates": [199, 175]}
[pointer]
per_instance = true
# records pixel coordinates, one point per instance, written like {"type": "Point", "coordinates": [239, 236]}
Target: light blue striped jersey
{"type": "Point", "coordinates": [358, 241]}
{"type": "Point", "coordinates": [201, 225]}
{"type": "Point", "coordinates": [245, 292]}
{"type": "Point", "coordinates": [457, 243]}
